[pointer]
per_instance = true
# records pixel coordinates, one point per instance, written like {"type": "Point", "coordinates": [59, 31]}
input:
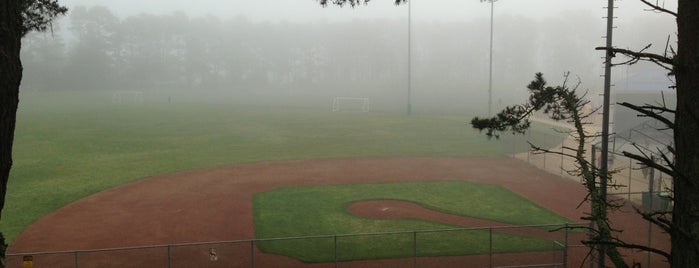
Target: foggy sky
{"type": "Point", "coordinates": [551, 36]}
{"type": "Point", "coordinates": [294, 10]}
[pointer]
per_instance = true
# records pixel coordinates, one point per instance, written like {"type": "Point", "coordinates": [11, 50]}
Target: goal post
{"type": "Point", "coordinates": [356, 104]}
{"type": "Point", "coordinates": [127, 96]}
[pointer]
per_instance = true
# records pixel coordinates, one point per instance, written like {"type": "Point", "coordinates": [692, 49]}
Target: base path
{"type": "Point", "coordinates": [216, 204]}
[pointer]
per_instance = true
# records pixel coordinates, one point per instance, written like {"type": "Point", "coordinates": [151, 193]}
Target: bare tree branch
{"type": "Point", "coordinates": [539, 150]}
{"type": "Point", "coordinates": [639, 55]}
{"type": "Point", "coordinates": [651, 217]}
{"type": "Point", "coordinates": [659, 8]}
{"type": "Point", "coordinates": [622, 244]}
{"type": "Point", "coordinates": [647, 111]}
{"type": "Point", "coordinates": [649, 163]}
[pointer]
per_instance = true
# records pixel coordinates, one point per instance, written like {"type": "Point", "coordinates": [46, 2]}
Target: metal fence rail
{"type": "Point", "coordinates": [247, 253]}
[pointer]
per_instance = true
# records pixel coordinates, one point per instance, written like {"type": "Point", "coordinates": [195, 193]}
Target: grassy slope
{"type": "Point", "coordinates": [321, 210]}
{"type": "Point", "coordinates": [71, 145]}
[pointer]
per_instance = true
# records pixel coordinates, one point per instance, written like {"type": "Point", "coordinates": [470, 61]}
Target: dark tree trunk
{"type": "Point", "coordinates": [10, 77]}
{"type": "Point", "coordinates": [685, 215]}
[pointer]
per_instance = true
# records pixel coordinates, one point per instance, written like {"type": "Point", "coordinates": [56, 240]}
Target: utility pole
{"type": "Point", "coordinates": [605, 124]}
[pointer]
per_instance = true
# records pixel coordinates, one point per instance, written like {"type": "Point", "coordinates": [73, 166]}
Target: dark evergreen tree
{"type": "Point", "coordinates": [563, 103]}
{"type": "Point", "coordinates": [17, 18]}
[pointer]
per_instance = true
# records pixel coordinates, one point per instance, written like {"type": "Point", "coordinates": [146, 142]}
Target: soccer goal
{"type": "Point", "coordinates": [127, 96]}
{"type": "Point", "coordinates": [350, 104]}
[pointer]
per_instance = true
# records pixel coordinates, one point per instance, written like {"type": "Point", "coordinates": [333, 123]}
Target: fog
{"type": "Point", "coordinates": [280, 10]}
{"type": "Point", "coordinates": [299, 53]}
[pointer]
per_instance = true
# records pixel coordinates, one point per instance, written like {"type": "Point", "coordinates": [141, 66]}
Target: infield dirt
{"type": "Point", "coordinates": [216, 205]}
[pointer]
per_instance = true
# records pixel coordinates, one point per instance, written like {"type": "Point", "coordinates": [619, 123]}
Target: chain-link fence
{"type": "Point", "coordinates": [634, 185]}
{"type": "Point", "coordinates": [630, 179]}
{"type": "Point", "coordinates": [547, 246]}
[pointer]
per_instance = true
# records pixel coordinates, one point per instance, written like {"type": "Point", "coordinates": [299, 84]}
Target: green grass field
{"type": "Point", "coordinates": [69, 145]}
{"type": "Point", "coordinates": [322, 210]}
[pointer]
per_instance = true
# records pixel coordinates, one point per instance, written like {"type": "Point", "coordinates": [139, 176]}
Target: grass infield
{"type": "Point", "coordinates": [322, 210]}
{"type": "Point", "coordinates": [69, 145]}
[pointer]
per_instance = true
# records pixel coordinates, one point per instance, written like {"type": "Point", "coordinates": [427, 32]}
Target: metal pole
{"type": "Point", "coordinates": [660, 183]}
{"type": "Point", "coordinates": [490, 73]}
{"type": "Point", "coordinates": [561, 160]}
{"type": "Point", "coordinates": [410, 60]}
{"type": "Point", "coordinates": [169, 256]}
{"type": "Point", "coordinates": [414, 249]}
{"type": "Point", "coordinates": [529, 137]}
{"type": "Point", "coordinates": [630, 165]}
{"type": "Point", "coordinates": [514, 146]}
{"type": "Point", "coordinates": [490, 247]}
{"type": "Point", "coordinates": [77, 260]}
{"type": "Point", "coordinates": [650, 232]}
{"type": "Point", "coordinates": [565, 248]}
{"type": "Point", "coordinates": [605, 121]}
{"type": "Point", "coordinates": [335, 248]}
{"type": "Point", "coordinates": [651, 182]}
{"type": "Point", "coordinates": [252, 253]}
{"type": "Point", "coordinates": [652, 209]}
{"type": "Point", "coordinates": [593, 159]}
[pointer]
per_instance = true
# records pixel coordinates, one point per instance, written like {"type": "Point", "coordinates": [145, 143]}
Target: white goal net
{"type": "Point", "coordinates": [350, 104]}
{"type": "Point", "coordinates": [127, 96]}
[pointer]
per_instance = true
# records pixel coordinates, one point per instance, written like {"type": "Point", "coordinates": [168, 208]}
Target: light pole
{"type": "Point", "coordinates": [410, 61]}
{"type": "Point", "coordinates": [490, 73]}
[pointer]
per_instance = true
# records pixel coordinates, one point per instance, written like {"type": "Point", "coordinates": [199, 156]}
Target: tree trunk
{"type": "Point", "coordinates": [685, 214]}
{"type": "Point", "coordinates": [10, 77]}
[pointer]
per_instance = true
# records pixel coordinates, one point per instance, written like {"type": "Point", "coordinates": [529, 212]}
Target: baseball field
{"type": "Point", "coordinates": [92, 174]}
{"type": "Point", "coordinates": [70, 145]}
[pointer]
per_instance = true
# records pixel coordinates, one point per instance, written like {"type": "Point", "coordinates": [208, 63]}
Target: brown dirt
{"type": "Point", "coordinates": [216, 205]}
{"type": "Point", "coordinates": [397, 209]}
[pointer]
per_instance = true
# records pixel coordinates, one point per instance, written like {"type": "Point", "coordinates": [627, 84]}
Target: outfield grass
{"type": "Point", "coordinates": [69, 145]}
{"type": "Point", "coordinates": [322, 210]}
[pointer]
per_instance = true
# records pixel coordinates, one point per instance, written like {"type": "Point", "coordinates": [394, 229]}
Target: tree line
{"type": "Point", "coordinates": [93, 49]}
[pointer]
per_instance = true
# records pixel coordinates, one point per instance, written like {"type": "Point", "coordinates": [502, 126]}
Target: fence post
{"type": "Point", "coordinates": [630, 168]}
{"type": "Point", "coordinates": [650, 226]}
{"type": "Point", "coordinates": [77, 260]}
{"type": "Point", "coordinates": [565, 248]}
{"type": "Point", "coordinates": [529, 151]}
{"type": "Point", "coordinates": [589, 233]}
{"type": "Point", "coordinates": [252, 253]}
{"type": "Point", "coordinates": [660, 183]}
{"type": "Point", "coordinates": [169, 256]}
{"type": "Point", "coordinates": [651, 196]}
{"type": "Point", "coordinates": [490, 247]}
{"type": "Point", "coordinates": [514, 147]}
{"type": "Point", "coordinates": [414, 249]}
{"type": "Point", "coordinates": [335, 249]}
{"type": "Point", "coordinates": [562, 160]}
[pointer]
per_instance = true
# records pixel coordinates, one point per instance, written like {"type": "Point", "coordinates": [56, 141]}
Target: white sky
{"type": "Point", "coordinates": [293, 10]}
